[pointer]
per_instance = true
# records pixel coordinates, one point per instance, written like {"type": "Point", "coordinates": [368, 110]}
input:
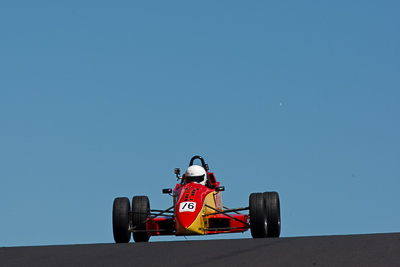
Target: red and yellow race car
{"type": "Point", "coordinates": [197, 210]}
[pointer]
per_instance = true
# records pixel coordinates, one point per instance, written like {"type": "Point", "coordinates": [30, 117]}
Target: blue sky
{"type": "Point", "coordinates": [101, 99]}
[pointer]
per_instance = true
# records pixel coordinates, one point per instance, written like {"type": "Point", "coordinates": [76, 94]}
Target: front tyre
{"type": "Point", "coordinates": [273, 214]}
{"type": "Point", "coordinates": [121, 209]}
{"type": "Point", "coordinates": [258, 216]}
{"type": "Point", "coordinates": [140, 213]}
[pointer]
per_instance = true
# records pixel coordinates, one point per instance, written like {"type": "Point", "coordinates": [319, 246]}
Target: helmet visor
{"type": "Point", "coordinates": [196, 179]}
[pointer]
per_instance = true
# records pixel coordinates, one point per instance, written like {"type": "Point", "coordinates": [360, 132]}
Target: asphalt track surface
{"type": "Point", "coordinates": [346, 250]}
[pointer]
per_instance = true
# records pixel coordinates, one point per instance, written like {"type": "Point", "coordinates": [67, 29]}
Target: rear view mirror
{"type": "Point", "coordinates": [167, 191]}
{"type": "Point", "coordinates": [220, 188]}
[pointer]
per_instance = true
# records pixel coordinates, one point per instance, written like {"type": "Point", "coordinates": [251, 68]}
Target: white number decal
{"type": "Point", "coordinates": [187, 206]}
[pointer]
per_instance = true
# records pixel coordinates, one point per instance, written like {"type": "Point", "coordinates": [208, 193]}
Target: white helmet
{"type": "Point", "coordinates": [197, 174]}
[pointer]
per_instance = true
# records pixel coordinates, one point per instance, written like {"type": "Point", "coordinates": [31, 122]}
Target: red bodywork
{"type": "Point", "coordinates": [197, 209]}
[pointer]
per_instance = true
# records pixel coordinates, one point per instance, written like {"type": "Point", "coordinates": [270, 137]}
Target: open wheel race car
{"type": "Point", "coordinates": [197, 210]}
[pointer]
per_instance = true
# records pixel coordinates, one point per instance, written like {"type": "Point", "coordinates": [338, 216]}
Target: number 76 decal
{"type": "Point", "coordinates": [187, 206]}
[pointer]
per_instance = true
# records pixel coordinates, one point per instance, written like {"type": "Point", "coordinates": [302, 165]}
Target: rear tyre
{"type": "Point", "coordinates": [140, 213]}
{"type": "Point", "coordinates": [121, 209]}
{"type": "Point", "coordinates": [273, 214]}
{"type": "Point", "coordinates": [258, 217]}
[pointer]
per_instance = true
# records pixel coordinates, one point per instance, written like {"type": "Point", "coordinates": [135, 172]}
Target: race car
{"type": "Point", "coordinates": [197, 210]}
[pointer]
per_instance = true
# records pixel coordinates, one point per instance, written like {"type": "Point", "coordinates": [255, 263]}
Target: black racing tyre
{"type": "Point", "coordinates": [140, 213]}
{"type": "Point", "coordinates": [258, 216]}
{"type": "Point", "coordinates": [273, 214]}
{"type": "Point", "coordinates": [121, 209]}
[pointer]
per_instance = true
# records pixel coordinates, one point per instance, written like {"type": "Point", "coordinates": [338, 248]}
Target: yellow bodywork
{"type": "Point", "coordinates": [200, 224]}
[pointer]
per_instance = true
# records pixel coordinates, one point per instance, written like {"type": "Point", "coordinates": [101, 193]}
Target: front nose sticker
{"type": "Point", "coordinates": [187, 207]}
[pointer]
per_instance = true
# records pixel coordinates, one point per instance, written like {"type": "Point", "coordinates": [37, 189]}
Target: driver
{"type": "Point", "coordinates": [197, 174]}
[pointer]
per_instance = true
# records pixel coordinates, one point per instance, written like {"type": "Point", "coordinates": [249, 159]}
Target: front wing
{"type": "Point", "coordinates": [214, 223]}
